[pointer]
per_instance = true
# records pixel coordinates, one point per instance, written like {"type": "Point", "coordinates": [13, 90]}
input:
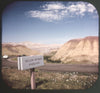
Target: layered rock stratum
{"type": "Point", "coordinates": [83, 50]}
{"type": "Point", "coordinates": [41, 48]}
{"type": "Point", "coordinates": [28, 48]}
{"type": "Point", "coordinates": [8, 49]}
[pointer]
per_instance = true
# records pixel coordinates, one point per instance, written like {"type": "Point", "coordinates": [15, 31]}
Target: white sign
{"type": "Point", "coordinates": [28, 62]}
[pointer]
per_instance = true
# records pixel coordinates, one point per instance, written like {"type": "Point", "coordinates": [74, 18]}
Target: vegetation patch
{"type": "Point", "coordinates": [47, 59]}
{"type": "Point", "coordinates": [48, 80]}
{"type": "Point", "coordinates": [14, 59]}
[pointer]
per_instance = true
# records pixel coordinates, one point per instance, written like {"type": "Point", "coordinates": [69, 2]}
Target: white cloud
{"type": "Point", "coordinates": [78, 9]}
{"type": "Point", "coordinates": [53, 6]}
{"type": "Point", "coordinates": [90, 8]}
{"type": "Point", "coordinates": [81, 8]}
{"type": "Point", "coordinates": [55, 11]}
{"type": "Point", "coordinates": [45, 15]}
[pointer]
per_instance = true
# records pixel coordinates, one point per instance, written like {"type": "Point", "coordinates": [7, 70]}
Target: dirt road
{"type": "Point", "coordinates": [58, 67]}
{"type": "Point", "coordinates": [69, 68]}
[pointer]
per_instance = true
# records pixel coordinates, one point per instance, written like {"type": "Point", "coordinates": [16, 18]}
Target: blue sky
{"type": "Point", "coordinates": [48, 22]}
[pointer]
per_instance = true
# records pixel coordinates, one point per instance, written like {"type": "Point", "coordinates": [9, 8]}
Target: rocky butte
{"type": "Point", "coordinates": [84, 50]}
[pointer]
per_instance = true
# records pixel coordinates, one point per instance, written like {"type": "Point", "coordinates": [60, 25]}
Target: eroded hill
{"type": "Point", "coordinates": [8, 49]}
{"type": "Point", "coordinates": [84, 50]}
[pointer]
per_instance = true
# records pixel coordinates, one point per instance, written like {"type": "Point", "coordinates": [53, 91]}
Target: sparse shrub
{"type": "Point", "coordinates": [49, 80]}
{"type": "Point", "coordinates": [48, 60]}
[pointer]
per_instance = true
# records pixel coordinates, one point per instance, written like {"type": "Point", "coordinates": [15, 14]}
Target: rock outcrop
{"type": "Point", "coordinates": [84, 50]}
{"type": "Point", "coordinates": [42, 48]}
{"type": "Point", "coordinates": [8, 49]}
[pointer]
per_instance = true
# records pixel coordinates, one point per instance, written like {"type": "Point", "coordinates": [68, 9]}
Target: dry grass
{"type": "Point", "coordinates": [16, 79]}
{"type": "Point", "coordinates": [48, 80]}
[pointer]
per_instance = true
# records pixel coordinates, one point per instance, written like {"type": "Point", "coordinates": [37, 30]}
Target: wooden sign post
{"type": "Point", "coordinates": [33, 85]}
{"type": "Point", "coordinates": [30, 62]}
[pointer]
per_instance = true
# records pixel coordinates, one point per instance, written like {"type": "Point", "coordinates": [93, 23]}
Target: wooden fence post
{"type": "Point", "coordinates": [32, 72]}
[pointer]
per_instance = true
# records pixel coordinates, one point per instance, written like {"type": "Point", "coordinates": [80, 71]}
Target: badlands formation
{"type": "Point", "coordinates": [84, 50]}
{"type": "Point", "coordinates": [28, 48]}
{"type": "Point", "coordinates": [8, 49]}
